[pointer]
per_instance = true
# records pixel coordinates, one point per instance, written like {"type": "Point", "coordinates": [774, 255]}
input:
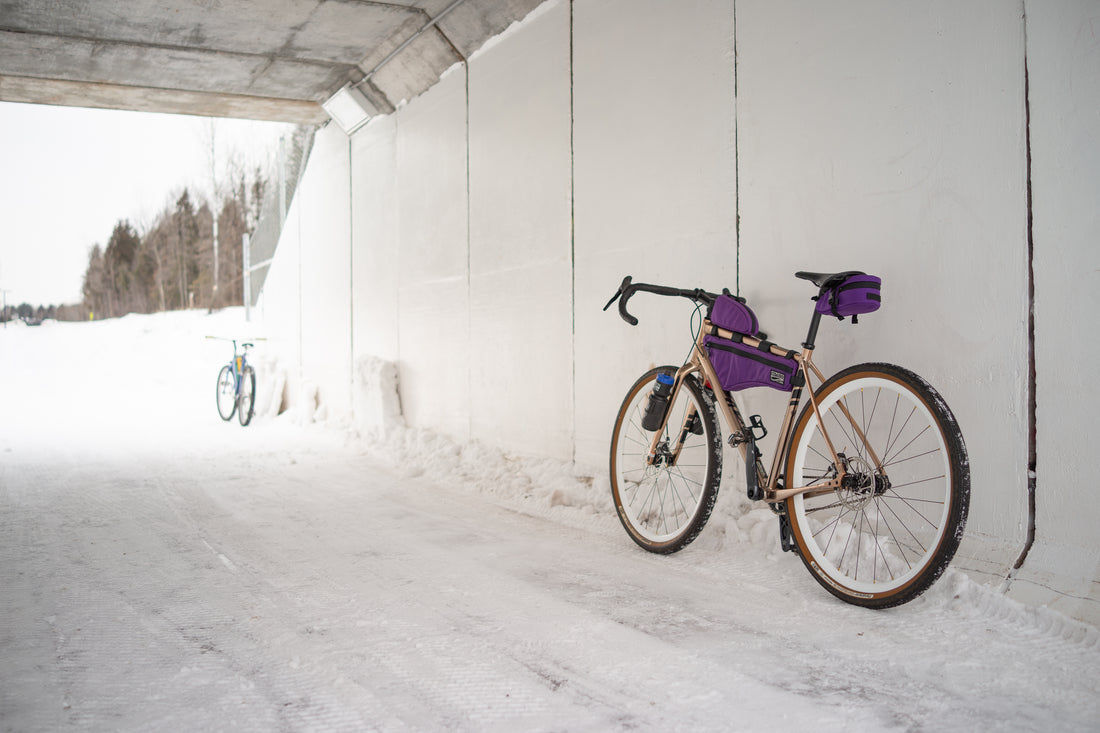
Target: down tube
{"type": "Point", "coordinates": [729, 410]}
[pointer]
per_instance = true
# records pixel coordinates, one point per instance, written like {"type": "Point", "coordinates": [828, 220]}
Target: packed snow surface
{"type": "Point", "coordinates": [164, 570]}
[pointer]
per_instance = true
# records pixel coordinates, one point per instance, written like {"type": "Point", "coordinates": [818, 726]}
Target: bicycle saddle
{"type": "Point", "coordinates": [827, 279]}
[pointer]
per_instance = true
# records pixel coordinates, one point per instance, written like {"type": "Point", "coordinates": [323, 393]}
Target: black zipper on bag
{"type": "Point", "coordinates": [752, 356]}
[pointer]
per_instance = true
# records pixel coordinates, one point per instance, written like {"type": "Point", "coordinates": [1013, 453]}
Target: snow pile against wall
{"type": "Point", "coordinates": [472, 237]}
{"type": "Point", "coordinates": [544, 483]}
{"type": "Point", "coordinates": [377, 404]}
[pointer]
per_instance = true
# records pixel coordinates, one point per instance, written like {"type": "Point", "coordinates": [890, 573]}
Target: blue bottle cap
{"type": "Point", "coordinates": [665, 378]}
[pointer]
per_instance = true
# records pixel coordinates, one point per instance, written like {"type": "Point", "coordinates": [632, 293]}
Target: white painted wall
{"type": "Point", "coordinates": [279, 306]}
{"type": "Point", "coordinates": [652, 186]}
{"type": "Point", "coordinates": [325, 219]}
{"type": "Point", "coordinates": [374, 240]}
{"type": "Point", "coordinates": [520, 268]}
{"type": "Point", "coordinates": [492, 217]}
{"type": "Point", "coordinates": [433, 252]}
{"type": "Point", "coordinates": [1063, 40]}
{"type": "Point", "coordinates": [876, 138]}
{"type": "Point", "coordinates": [306, 303]}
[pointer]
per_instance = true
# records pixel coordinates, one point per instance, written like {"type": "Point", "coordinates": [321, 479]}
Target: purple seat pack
{"type": "Point", "coordinates": [853, 296]}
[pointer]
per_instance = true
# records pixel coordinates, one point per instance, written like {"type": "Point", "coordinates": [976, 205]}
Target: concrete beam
{"type": "Point", "coordinates": [260, 59]}
{"type": "Point", "coordinates": [173, 101]}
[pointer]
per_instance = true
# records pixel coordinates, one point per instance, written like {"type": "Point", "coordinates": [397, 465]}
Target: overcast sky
{"type": "Point", "coordinates": [68, 175]}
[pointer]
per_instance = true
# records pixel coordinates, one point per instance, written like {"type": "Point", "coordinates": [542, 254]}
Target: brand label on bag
{"type": "Point", "coordinates": [778, 377]}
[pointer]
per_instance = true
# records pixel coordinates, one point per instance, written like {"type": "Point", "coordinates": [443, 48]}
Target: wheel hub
{"type": "Point", "coordinates": [663, 456]}
{"type": "Point", "coordinates": [860, 483]}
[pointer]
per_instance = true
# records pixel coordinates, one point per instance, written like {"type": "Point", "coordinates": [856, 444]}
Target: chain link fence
{"type": "Point", "coordinates": [260, 247]}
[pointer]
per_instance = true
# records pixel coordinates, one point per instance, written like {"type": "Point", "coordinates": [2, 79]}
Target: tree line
{"type": "Point", "coordinates": [170, 265]}
{"type": "Point", "coordinates": [30, 314]}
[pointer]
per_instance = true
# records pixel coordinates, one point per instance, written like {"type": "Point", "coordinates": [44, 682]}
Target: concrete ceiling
{"type": "Point", "coordinates": [253, 59]}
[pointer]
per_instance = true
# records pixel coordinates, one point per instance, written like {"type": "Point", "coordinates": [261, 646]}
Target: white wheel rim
{"type": "Point", "coordinates": [893, 559]}
{"type": "Point", "coordinates": [659, 502]}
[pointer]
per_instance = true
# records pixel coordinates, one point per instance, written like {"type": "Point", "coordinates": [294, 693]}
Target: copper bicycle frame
{"type": "Point", "coordinates": [773, 491]}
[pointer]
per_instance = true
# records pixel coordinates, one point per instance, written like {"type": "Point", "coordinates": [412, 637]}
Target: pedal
{"type": "Point", "coordinates": [753, 489]}
{"type": "Point", "coordinates": [786, 537]}
{"type": "Point", "coordinates": [749, 433]}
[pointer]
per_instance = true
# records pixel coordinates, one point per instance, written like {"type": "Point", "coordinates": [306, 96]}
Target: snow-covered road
{"type": "Point", "coordinates": [163, 570]}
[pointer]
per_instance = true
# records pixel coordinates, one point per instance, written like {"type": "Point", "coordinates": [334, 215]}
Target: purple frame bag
{"type": "Point", "coordinates": [740, 367]}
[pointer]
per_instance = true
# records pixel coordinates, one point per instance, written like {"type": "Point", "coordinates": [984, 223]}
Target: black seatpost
{"type": "Point", "coordinates": [811, 337]}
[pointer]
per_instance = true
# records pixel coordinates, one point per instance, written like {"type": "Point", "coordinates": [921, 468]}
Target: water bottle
{"type": "Point", "coordinates": [657, 405]}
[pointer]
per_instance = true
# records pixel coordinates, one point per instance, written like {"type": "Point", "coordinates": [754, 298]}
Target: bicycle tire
{"type": "Point", "coordinates": [879, 541]}
{"type": "Point", "coordinates": [247, 399]}
{"type": "Point", "coordinates": [226, 394]}
{"type": "Point", "coordinates": [664, 507]}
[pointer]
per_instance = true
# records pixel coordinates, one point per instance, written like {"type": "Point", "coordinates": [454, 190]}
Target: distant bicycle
{"type": "Point", "coordinates": [236, 392]}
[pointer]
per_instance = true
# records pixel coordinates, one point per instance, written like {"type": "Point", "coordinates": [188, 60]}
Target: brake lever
{"type": "Point", "coordinates": [613, 299]}
{"type": "Point", "coordinates": [619, 292]}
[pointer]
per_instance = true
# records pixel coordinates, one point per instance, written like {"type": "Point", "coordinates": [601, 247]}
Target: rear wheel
{"type": "Point", "coordinates": [665, 504]}
{"type": "Point", "coordinates": [247, 398]}
{"type": "Point", "coordinates": [885, 535]}
{"type": "Point", "coordinates": [227, 393]}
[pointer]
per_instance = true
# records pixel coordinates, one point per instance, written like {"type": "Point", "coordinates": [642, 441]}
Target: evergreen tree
{"type": "Point", "coordinates": [119, 260]}
{"type": "Point", "coordinates": [95, 278]}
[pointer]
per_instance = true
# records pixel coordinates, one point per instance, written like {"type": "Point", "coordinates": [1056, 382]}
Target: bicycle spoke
{"type": "Point", "coordinates": [827, 459]}
{"type": "Point", "coordinates": [938, 502]}
{"type": "Point", "coordinates": [844, 426]}
{"type": "Point", "coordinates": [894, 537]}
{"type": "Point", "coordinates": [919, 481]}
{"type": "Point", "coordinates": [890, 446]}
{"type": "Point", "coordinates": [682, 507]}
{"type": "Point", "coordinates": [907, 529]}
{"type": "Point", "coordinates": [914, 510]}
{"type": "Point", "coordinates": [910, 458]}
{"type": "Point", "coordinates": [902, 449]}
{"type": "Point", "coordinates": [836, 520]}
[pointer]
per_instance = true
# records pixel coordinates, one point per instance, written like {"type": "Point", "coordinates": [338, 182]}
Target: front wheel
{"type": "Point", "coordinates": [889, 530]}
{"type": "Point", "coordinates": [247, 400]}
{"type": "Point", "coordinates": [664, 504]}
{"type": "Point", "coordinates": [227, 393]}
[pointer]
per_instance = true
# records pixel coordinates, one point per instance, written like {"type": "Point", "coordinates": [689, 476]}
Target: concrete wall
{"type": "Point", "coordinates": [488, 221]}
{"type": "Point", "coordinates": [433, 256]}
{"type": "Point", "coordinates": [651, 187]}
{"type": "Point", "coordinates": [877, 138]}
{"type": "Point", "coordinates": [306, 303]}
{"type": "Point", "coordinates": [520, 266]}
{"type": "Point", "coordinates": [1063, 53]}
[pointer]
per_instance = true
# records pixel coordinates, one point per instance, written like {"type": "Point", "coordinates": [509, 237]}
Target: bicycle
{"type": "Point", "coordinates": [236, 390]}
{"type": "Point", "coordinates": [870, 482]}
